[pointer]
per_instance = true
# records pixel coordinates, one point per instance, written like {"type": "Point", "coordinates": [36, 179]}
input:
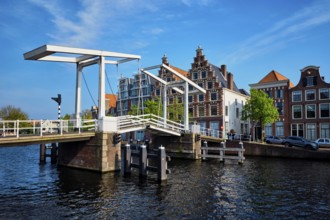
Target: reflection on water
{"type": "Point", "coordinates": [262, 188]}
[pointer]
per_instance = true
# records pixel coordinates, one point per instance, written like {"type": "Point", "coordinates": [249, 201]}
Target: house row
{"type": "Point", "coordinates": [303, 109]}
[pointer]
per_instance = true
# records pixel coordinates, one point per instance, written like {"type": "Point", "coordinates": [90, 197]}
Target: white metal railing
{"type": "Point", "coordinates": [17, 128]}
{"type": "Point", "coordinates": [141, 121]}
{"type": "Point", "coordinates": [210, 132]}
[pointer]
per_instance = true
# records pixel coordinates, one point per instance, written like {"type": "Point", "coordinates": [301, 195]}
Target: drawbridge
{"type": "Point", "coordinates": [154, 123]}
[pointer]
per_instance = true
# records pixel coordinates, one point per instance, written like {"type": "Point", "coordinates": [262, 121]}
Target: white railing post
{"type": "Point", "coordinates": [40, 128]}
{"type": "Point", "coordinates": [17, 129]}
{"type": "Point", "coordinates": [61, 126]}
{"type": "Point", "coordinates": [3, 129]}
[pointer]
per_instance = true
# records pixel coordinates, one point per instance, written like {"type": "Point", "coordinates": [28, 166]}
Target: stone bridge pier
{"type": "Point", "coordinates": [98, 154]}
{"type": "Point", "coordinates": [187, 146]}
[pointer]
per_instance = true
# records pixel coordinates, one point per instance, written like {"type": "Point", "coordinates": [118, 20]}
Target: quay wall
{"type": "Point", "coordinates": [272, 150]}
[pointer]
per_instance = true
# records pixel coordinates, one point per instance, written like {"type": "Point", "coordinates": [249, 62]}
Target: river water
{"type": "Point", "coordinates": [261, 188]}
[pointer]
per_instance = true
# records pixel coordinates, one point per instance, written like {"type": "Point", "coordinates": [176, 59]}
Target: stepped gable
{"type": "Point", "coordinates": [274, 76]}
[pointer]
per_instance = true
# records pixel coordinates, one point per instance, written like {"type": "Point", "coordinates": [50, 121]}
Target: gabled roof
{"type": "Point", "coordinates": [182, 72]}
{"type": "Point", "coordinates": [274, 76]}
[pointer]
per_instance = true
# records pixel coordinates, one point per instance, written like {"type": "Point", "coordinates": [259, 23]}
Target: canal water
{"type": "Point", "coordinates": [261, 188]}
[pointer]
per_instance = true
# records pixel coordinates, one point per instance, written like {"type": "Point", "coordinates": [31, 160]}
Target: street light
{"type": "Point", "coordinates": [58, 99]}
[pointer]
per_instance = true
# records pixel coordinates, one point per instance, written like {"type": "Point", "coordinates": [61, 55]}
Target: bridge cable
{"type": "Point", "coordinates": [88, 88]}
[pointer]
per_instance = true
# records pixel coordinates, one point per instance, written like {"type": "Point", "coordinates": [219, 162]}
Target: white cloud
{"type": "Point", "coordinates": [283, 32]}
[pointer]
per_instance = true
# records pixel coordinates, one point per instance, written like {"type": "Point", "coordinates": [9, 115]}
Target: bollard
{"type": "Point", "coordinates": [143, 161]}
{"type": "Point", "coordinates": [42, 154]}
{"type": "Point", "coordinates": [126, 158]}
{"type": "Point", "coordinates": [53, 153]}
{"type": "Point", "coordinates": [222, 145]}
{"type": "Point", "coordinates": [204, 150]}
{"type": "Point", "coordinates": [162, 164]}
{"type": "Point", "coordinates": [240, 153]}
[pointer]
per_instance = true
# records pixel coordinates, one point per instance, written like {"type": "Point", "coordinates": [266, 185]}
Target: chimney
{"type": "Point", "coordinates": [230, 81]}
{"type": "Point", "coordinates": [165, 60]}
{"type": "Point", "coordinates": [224, 71]}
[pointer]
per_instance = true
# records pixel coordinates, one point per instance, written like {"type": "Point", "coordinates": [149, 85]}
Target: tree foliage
{"type": "Point", "coordinates": [176, 111]}
{"type": "Point", "coordinates": [10, 112]}
{"type": "Point", "coordinates": [153, 106]}
{"type": "Point", "coordinates": [259, 108]}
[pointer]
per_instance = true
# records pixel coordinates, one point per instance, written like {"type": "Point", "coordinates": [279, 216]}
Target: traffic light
{"type": "Point", "coordinates": [58, 99]}
{"type": "Point", "coordinates": [116, 139]}
{"type": "Point", "coordinates": [197, 137]}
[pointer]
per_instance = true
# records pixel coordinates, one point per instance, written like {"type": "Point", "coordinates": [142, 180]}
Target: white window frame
{"type": "Point", "coordinates": [310, 90]}
{"type": "Point", "coordinates": [301, 110]}
{"type": "Point", "coordinates": [320, 115]}
{"type": "Point", "coordinates": [293, 94]}
{"type": "Point", "coordinates": [328, 89]}
{"type": "Point", "coordinates": [306, 109]}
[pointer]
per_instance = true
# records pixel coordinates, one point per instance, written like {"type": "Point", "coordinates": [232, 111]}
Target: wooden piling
{"type": "Point", "coordinates": [162, 164]}
{"type": "Point", "coordinates": [42, 154]}
{"type": "Point", "coordinates": [143, 161]}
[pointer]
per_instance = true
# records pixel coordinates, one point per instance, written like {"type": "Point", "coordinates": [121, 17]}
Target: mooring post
{"type": "Point", "coordinates": [143, 161]}
{"type": "Point", "coordinates": [126, 158]}
{"type": "Point", "coordinates": [204, 150]}
{"type": "Point", "coordinates": [240, 153]}
{"type": "Point", "coordinates": [162, 164]}
{"type": "Point", "coordinates": [42, 153]}
{"type": "Point", "coordinates": [53, 154]}
{"type": "Point", "coordinates": [222, 146]}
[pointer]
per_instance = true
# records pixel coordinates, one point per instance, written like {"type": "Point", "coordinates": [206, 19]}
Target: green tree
{"type": "Point", "coordinates": [176, 111]}
{"type": "Point", "coordinates": [153, 106]}
{"type": "Point", "coordinates": [259, 109]}
{"type": "Point", "coordinates": [10, 112]}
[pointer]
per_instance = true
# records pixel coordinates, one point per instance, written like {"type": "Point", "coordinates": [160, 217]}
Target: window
{"type": "Point", "coordinates": [214, 110]}
{"type": "Point", "coordinates": [200, 85]}
{"type": "Point", "coordinates": [180, 99]}
{"type": "Point", "coordinates": [297, 111]}
{"type": "Point", "coordinates": [158, 92]}
{"type": "Point", "coordinates": [213, 96]}
{"type": "Point", "coordinates": [191, 112]}
{"type": "Point", "coordinates": [310, 111]}
{"type": "Point", "coordinates": [324, 93]}
{"type": "Point", "coordinates": [279, 106]}
{"type": "Point", "coordinates": [171, 100]}
{"type": "Point", "coordinates": [226, 110]}
{"type": "Point", "coordinates": [190, 98]}
{"type": "Point", "coordinates": [268, 129]}
{"type": "Point", "coordinates": [296, 96]}
{"type": "Point", "coordinates": [279, 93]}
{"type": "Point", "coordinates": [310, 81]}
{"type": "Point", "coordinates": [195, 75]}
{"type": "Point", "coordinates": [200, 110]}
{"type": "Point", "coordinates": [209, 85]}
{"type": "Point", "coordinates": [325, 110]}
{"type": "Point", "coordinates": [310, 95]}
{"type": "Point", "coordinates": [310, 131]}
{"type": "Point", "coordinates": [201, 97]}
{"type": "Point", "coordinates": [325, 130]}
{"type": "Point", "coordinates": [279, 128]}
{"type": "Point", "coordinates": [203, 74]}
{"type": "Point", "coordinates": [297, 130]}
{"type": "Point", "coordinates": [269, 93]}
{"type": "Point", "coordinates": [237, 112]}
{"type": "Point", "coordinates": [190, 87]}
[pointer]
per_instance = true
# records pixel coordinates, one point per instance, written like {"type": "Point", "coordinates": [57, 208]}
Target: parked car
{"type": "Point", "coordinates": [273, 140]}
{"type": "Point", "coordinates": [323, 142]}
{"type": "Point", "coordinates": [300, 142]}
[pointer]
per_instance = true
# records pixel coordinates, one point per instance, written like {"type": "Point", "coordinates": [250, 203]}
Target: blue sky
{"type": "Point", "coordinates": [250, 37]}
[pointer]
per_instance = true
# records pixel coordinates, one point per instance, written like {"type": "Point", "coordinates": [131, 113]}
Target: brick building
{"type": "Point", "coordinates": [310, 105]}
{"type": "Point", "coordinates": [220, 108]}
{"type": "Point", "coordinates": [276, 86]}
{"type": "Point", "coordinates": [304, 109]}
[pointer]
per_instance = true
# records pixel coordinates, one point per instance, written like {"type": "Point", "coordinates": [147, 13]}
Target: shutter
{"type": "Point", "coordinates": [314, 80]}
{"type": "Point", "coordinates": [305, 81]}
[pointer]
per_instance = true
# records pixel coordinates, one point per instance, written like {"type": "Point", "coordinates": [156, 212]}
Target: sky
{"type": "Point", "coordinates": [251, 37]}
